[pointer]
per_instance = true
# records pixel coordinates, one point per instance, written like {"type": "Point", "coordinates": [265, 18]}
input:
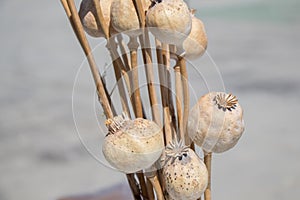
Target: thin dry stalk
{"type": "Point", "coordinates": [127, 64]}
{"type": "Point", "coordinates": [179, 100]}
{"type": "Point", "coordinates": [166, 60]}
{"type": "Point", "coordinates": [156, 185]}
{"type": "Point", "coordinates": [207, 161]}
{"type": "Point", "coordinates": [133, 46]}
{"type": "Point", "coordinates": [147, 57]}
{"type": "Point", "coordinates": [186, 96]}
{"type": "Point", "coordinates": [150, 190]}
{"type": "Point", "coordinates": [72, 14]}
{"type": "Point", "coordinates": [112, 47]}
{"type": "Point", "coordinates": [117, 62]}
{"type": "Point", "coordinates": [164, 93]}
{"type": "Point", "coordinates": [133, 185]}
{"type": "Point", "coordinates": [143, 185]}
{"type": "Point", "coordinates": [140, 11]}
{"type": "Point", "coordinates": [123, 52]}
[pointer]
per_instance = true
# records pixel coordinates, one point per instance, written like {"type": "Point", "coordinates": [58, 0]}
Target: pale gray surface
{"type": "Point", "coordinates": [255, 45]}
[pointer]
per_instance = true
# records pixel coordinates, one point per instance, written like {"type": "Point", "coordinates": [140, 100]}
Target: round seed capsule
{"type": "Point", "coordinates": [216, 122]}
{"type": "Point", "coordinates": [132, 145]}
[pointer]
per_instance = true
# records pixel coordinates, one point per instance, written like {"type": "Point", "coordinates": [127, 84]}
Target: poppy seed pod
{"type": "Point", "coordinates": [185, 175]}
{"type": "Point", "coordinates": [87, 13]}
{"type": "Point", "coordinates": [124, 16]}
{"type": "Point", "coordinates": [132, 145]}
{"type": "Point", "coordinates": [171, 20]}
{"type": "Point", "coordinates": [196, 43]}
{"type": "Point", "coordinates": [216, 122]}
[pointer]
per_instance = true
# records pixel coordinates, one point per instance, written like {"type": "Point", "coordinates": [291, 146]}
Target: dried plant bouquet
{"type": "Point", "coordinates": [156, 153]}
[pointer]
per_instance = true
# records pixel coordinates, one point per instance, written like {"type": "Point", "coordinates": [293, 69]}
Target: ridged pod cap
{"type": "Point", "coordinates": [216, 122]}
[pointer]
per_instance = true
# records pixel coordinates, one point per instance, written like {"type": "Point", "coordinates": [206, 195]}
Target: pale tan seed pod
{"type": "Point", "coordinates": [124, 16]}
{"type": "Point", "coordinates": [171, 20]}
{"type": "Point", "coordinates": [87, 14]}
{"type": "Point", "coordinates": [216, 122]}
{"type": "Point", "coordinates": [184, 173]}
{"type": "Point", "coordinates": [132, 145]}
{"type": "Point", "coordinates": [196, 43]}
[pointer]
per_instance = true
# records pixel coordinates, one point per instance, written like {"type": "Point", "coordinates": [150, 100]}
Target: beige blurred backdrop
{"type": "Point", "coordinates": [255, 45]}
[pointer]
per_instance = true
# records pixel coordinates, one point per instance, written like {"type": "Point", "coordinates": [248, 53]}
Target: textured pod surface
{"type": "Point", "coordinates": [196, 43]}
{"type": "Point", "coordinates": [171, 20]}
{"type": "Point", "coordinates": [124, 16]}
{"type": "Point", "coordinates": [186, 176]}
{"type": "Point", "coordinates": [212, 125]}
{"type": "Point", "coordinates": [136, 145]}
{"type": "Point", "coordinates": [87, 13]}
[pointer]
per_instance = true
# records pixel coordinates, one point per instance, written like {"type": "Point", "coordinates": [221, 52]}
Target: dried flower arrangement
{"type": "Point", "coordinates": [158, 157]}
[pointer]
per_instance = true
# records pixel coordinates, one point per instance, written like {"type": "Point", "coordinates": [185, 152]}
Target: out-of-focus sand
{"type": "Point", "coordinates": [256, 47]}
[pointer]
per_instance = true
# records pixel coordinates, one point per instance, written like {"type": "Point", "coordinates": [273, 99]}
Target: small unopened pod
{"type": "Point", "coordinates": [184, 173]}
{"type": "Point", "coordinates": [216, 122]}
{"type": "Point", "coordinates": [196, 43]}
{"type": "Point", "coordinates": [132, 145]}
{"type": "Point", "coordinates": [171, 21]}
{"type": "Point", "coordinates": [87, 14]}
{"type": "Point", "coordinates": [124, 16]}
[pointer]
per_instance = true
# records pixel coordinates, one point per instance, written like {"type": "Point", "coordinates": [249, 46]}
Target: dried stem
{"type": "Point", "coordinates": [164, 93]}
{"type": "Point", "coordinates": [143, 185]}
{"type": "Point", "coordinates": [127, 64]}
{"type": "Point", "coordinates": [150, 190]}
{"type": "Point", "coordinates": [156, 185]}
{"type": "Point", "coordinates": [186, 96]}
{"type": "Point", "coordinates": [179, 100]}
{"type": "Point", "coordinates": [147, 57]}
{"type": "Point", "coordinates": [134, 187]}
{"type": "Point", "coordinates": [117, 64]}
{"type": "Point", "coordinates": [72, 14]}
{"type": "Point", "coordinates": [207, 161]}
{"type": "Point", "coordinates": [166, 60]}
{"type": "Point", "coordinates": [123, 52]}
{"type": "Point", "coordinates": [140, 11]}
{"type": "Point", "coordinates": [133, 45]}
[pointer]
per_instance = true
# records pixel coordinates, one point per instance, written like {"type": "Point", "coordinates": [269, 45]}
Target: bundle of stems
{"type": "Point", "coordinates": [174, 116]}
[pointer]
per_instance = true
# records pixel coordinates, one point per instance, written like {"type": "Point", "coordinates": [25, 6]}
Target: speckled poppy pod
{"type": "Point", "coordinates": [132, 145]}
{"type": "Point", "coordinates": [216, 122]}
{"type": "Point", "coordinates": [171, 20]}
{"type": "Point", "coordinates": [87, 13]}
{"type": "Point", "coordinates": [124, 17]}
{"type": "Point", "coordinates": [184, 173]}
{"type": "Point", "coordinates": [196, 43]}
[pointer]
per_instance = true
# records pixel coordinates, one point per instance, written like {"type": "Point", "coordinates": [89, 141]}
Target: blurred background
{"type": "Point", "coordinates": [256, 47]}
